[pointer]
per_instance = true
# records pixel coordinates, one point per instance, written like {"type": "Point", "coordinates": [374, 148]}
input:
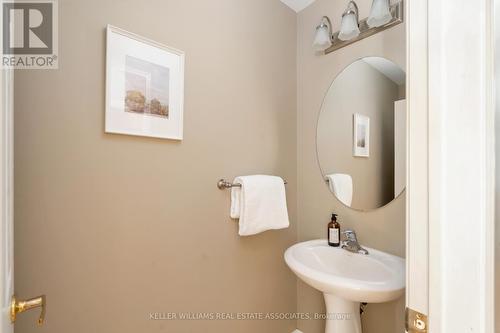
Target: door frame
{"type": "Point", "coordinates": [6, 197]}
{"type": "Point", "coordinates": [417, 206]}
{"type": "Point", "coordinates": [451, 164]}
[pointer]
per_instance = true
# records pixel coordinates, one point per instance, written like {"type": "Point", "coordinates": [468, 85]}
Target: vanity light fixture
{"type": "Point", "coordinates": [324, 37]}
{"type": "Point", "coordinates": [350, 25]}
{"type": "Point", "coordinates": [382, 16]}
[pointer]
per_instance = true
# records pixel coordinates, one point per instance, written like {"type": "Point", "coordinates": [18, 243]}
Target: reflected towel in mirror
{"type": "Point", "coordinates": [341, 185]}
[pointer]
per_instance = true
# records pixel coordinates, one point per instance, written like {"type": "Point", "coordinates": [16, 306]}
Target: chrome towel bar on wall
{"type": "Point", "coordinates": [222, 184]}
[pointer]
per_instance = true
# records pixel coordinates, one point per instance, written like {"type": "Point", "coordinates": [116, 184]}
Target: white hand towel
{"type": "Point", "coordinates": [260, 204]}
{"type": "Point", "coordinates": [341, 185]}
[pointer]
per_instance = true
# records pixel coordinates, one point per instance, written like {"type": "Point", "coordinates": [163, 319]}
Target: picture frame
{"type": "Point", "coordinates": [144, 86]}
{"type": "Point", "coordinates": [361, 137]}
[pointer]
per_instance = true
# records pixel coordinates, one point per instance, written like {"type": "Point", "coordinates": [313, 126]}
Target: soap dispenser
{"type": "Point", "coordinates": [334, 232]}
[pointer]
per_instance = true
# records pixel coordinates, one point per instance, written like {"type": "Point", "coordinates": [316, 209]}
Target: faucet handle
{"type": "Point", "coordinates": [350, 235]}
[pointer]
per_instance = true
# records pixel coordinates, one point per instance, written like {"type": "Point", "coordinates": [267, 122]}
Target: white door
{"type": "Point", "coordinates": [450, 207]}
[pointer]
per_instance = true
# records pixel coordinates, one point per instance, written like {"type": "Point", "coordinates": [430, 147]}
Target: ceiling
{"type": "Point", "coordinates": [297, 5]}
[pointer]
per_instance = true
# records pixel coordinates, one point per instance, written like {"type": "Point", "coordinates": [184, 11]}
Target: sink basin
{"type": "Point", "coordinates": [346, 279]}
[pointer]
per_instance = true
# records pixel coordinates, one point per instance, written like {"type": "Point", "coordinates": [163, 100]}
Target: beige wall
{"type": "Point", "coordinates": [113, 227]}
{"type": "Point", "coordinates": [497, 208]}
{"type": "Point", "coordinates": [362, 89]}
{"type": "Point", "coordinates": [382, 228]}
{"type": "Point", "coordinates": [497, 169]}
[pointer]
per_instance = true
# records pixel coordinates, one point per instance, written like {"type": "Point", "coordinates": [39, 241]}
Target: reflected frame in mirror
{"type": "Point", "coordinates": [361, 135]}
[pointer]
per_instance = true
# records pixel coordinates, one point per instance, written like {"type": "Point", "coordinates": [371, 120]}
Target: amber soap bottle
{"type": "Point", "coordinates": [334, 232]}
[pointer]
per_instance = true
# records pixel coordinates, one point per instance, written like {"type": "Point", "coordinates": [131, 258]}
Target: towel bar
{"type": "Point", "coordinates": [222, 184]}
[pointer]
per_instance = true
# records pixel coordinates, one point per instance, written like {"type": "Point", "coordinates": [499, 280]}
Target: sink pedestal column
{"type": "Point", "coordinates": [342, 316]}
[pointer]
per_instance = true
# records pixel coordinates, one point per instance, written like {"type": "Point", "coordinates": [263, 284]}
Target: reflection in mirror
{"type": "Point", "coordinates": [361, 134]}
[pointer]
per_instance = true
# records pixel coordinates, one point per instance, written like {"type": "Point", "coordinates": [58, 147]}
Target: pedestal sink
{"type": "Point", "coordinates": [347, 279]}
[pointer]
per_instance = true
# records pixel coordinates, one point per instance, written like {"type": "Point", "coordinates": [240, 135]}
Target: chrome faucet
{"type": "Point", "coordinates": [351, 243]}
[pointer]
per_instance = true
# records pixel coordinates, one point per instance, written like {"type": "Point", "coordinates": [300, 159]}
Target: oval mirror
{"type": "Point", "coordinates": [361, 134]}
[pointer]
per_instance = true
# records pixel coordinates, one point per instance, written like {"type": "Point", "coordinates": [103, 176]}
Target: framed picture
{"type": "Point", "coordinates": [361, 136]}
{"type": "Point", "coordinates": [144, 86]}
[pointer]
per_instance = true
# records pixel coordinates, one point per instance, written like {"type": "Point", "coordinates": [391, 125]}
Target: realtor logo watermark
{"type": "Point", "coordinates": [29, 38]}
